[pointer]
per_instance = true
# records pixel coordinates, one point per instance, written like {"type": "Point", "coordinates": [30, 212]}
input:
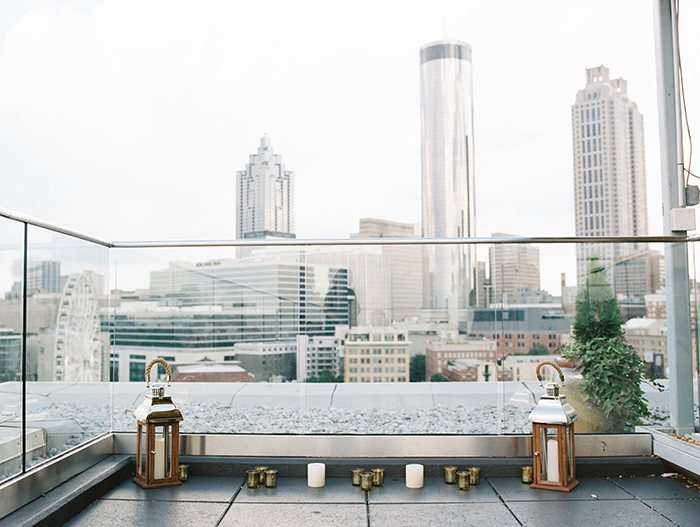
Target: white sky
{"type": "Point", "coordinates": [128, 119]}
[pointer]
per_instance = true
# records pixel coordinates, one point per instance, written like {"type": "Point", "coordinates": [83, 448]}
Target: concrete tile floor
{"type": "Point", "coordinates": [502, 502]}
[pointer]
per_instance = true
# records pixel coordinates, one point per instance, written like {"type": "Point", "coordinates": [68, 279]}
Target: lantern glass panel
{"type": "Point", "coordinates": [569, 453]}
{"type": "Point", "coordinates": [162, 449]}
{"type": "Point", "coordinates": [142, 450]}
{"type": "Point", "coordinates": [549, 456]}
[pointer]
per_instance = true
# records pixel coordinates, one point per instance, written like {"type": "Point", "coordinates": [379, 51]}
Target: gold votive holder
{"type": "Point", "coordinates": [378, 477]}
{"type": "Point", "coordinates": [450, 475]}
{"type": "Point", "coordinates": [262, 473]}
{"type": "Point", "coordinates": [526, 474]}
{"type": "Point", "coordinates": [474, 475]}
{"type": "Point", "coordinates": [366, 480]}
{"type": "Point", "coordinates": [271, 478]}
{"type": "Point", "coordinates": [253, 480]}
{"type": "Point", "coordinates": [182, 473]}
{"type": "Point", "coordinates": [356, 479]}
{"type": "Point", "coordinates": [463, 479]}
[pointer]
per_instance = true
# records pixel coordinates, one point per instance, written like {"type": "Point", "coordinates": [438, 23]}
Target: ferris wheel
{"type": "Point", "coordinates": [78, 348]}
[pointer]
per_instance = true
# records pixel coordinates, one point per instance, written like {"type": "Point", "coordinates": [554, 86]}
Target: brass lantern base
{"type": "Point", "coordinates": [554, 486]}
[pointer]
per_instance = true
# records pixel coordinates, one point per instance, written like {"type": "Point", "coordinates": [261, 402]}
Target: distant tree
{"type": "Point", "coordinates": [597, 311]}
{"type": "Point", "coordinates": [438, 377]}
{"type": "Point", "coordinates": [326, 376]}
{"type": "Point", "coordinates": [417, 369]}
{"type": "Point", "coordinates": [538, 349]}
{"type": "Point", "coordinates": [611, 368]}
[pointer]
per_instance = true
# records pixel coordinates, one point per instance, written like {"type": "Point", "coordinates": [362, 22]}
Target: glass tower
{"type": "Point", "coordinates": [447, 150]}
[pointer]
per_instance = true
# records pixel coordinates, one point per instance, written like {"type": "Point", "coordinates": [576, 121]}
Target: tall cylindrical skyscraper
{"type": "Point", "coordinates": [447, 151]}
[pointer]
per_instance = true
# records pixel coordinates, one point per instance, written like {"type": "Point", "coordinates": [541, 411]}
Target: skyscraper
{"type": "Point", "coordinates": [447, 151]}
{"type": "Point", "coordinates": [609, 169]}
{"type": "Point", "coordinates": [265, 196]}
{"type": "Point", "coordinates": [513, 267]}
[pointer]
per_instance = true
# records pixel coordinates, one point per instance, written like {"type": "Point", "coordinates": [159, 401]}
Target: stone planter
{"type": "Point", "coordinates": [680, 453]}
{"type": "Point", "coordinates": [591, 419]}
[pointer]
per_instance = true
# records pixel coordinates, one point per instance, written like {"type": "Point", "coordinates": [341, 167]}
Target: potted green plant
{"type": "Point", "coordinates": [606, 386]}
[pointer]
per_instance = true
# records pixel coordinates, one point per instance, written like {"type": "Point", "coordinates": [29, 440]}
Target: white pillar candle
{"type": "Point", "coordinates": [316, 473]}
{"type": "Point", "coordinates": [552, 460]}
{"type": "Point", "coordinates": [414, 476]}
{"type": "Point", "coordinates": [159, 461]}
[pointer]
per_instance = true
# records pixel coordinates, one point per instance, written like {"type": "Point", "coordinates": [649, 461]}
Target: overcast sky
{"type": "Point", "coordinates": [128, 119]}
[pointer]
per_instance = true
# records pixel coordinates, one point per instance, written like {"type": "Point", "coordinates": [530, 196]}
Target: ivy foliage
{"type": "Point", "coordinates": [611, 368]}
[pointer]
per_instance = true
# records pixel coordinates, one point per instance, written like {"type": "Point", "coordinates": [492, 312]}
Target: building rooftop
{"type": "Point", "coordinates": [226, 501]}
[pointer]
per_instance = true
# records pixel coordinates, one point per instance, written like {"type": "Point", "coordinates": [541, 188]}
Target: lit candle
{"type": "Point", "coordinates": [552, 460]}
{"type": "Point", "coordinates": [159, 461]}
{"type": "Point", "coordinates": [316, 474]}
{"type": "Point", "coordinates": [414, 476]}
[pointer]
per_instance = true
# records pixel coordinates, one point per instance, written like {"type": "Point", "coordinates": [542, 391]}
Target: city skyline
{"type": "Point", "coordinates": [112, 104]}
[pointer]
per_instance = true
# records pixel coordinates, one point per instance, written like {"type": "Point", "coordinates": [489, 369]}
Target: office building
{"type": "Point", "coordinates": [447, 153]}
{"type": "Point", "coordinates": [517, 328]}
{"type": "Point", "coordinates": [609, 169]}
{"type": "Point", "coordinates": [268, 361]}
{"type": "Point", "coordinates": [265, 196]}
{"type": "Point", "coordinates": [43, 276]}
{"type": "Point", "coordinates": [513, 268]}
{"type": "Point", "coordinates": [404, 264]}
{"type": "Point", "coordinates": [376, 354]}
{"type": "Point", "coordinates": [316, 354]}
{"type": "Point", "coordinates": [440, 354]}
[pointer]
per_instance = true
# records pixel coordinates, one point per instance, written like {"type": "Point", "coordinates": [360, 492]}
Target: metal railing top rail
{"type": "Point", "coordinates": [29, 220]}
{"type": "Point", "coordinates": [294, 242]}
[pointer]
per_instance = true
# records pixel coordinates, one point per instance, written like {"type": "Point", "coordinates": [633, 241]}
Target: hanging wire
{"type": "Point", "coordinates": [685, 108]}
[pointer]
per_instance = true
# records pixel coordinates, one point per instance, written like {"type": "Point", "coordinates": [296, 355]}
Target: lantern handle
{"type": "Point", "coordinates": [553, 365]}
{"type": "Point", "coordinates": [168, 371]}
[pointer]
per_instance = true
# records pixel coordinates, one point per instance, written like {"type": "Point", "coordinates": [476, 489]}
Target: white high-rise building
{"type": "Point", "coordinates": [609, 169]}
{"type": "Point", "coordinates": [265, 196]}
{"type": "Point", "coordinates": [513, 267]}
{"type": "Point", "coordinates": [447, 151]}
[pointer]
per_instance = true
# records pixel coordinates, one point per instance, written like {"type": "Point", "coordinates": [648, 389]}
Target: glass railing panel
{"type": "Point", "coordinates": [68, 396]}
{"type": "Point", "coordinates": [358, 311]}
{"type": "Point", "coordinates": [694, 276]}
{"type": "Point", "coordinates": [11, 263]}
{"type": "Point", "coordinates": [619, 382]}
{"type": "Point", "coordinates": [244, 316]}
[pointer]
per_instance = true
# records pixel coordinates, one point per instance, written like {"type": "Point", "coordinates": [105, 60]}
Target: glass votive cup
{"type": "Point", "coordinates": [271, 478]}
{"type": "Point", "coordinates": [378, 477]}
{"type": "Point", "coordinates": [450, 475]}
{"type": "Point", "coordinates": [366, 480]}
{"type": "Point", "coordinates": [356, 479]}
{"type": "Point", "coordinates": [253, 479]}
{"type": "Point", "coordinates": [474, 475]}
{"type": "Point", "coordinates": [463, 479]}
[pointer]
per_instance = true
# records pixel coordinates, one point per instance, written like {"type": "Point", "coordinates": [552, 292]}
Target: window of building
{"type": "Point", "coordinates": [137, 371]}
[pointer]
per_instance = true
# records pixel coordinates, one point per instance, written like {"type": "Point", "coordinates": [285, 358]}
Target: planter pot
{"type": "Point", "coordinates": [676, 451]}
{"type": "Point", "coordinates": [591, 419]}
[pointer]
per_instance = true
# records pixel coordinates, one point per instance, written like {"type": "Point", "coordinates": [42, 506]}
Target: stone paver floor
{"type": "Point", "coordinates": [503, 502]}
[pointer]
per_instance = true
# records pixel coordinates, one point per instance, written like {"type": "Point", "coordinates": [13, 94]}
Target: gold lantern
{"type": "Point", "coordinates": [553, 437]}
{"type": "Point", "coordinates": [158, 434]}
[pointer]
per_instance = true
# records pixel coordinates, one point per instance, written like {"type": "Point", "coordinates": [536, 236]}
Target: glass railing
{"type": "Point", "coordinates": [351, 337]}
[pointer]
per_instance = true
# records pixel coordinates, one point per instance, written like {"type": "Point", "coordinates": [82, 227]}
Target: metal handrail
{"type": "Point", "coordinates": [293, 242]}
